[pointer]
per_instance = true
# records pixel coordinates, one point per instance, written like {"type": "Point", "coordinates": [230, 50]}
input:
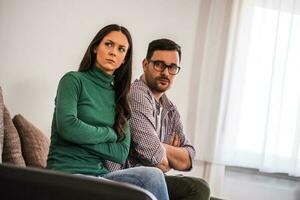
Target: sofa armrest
{"type": "Point", "coordinates": [32, 183]}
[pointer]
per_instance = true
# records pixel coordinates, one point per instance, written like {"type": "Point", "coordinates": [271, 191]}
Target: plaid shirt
{"type": "Point", "coordinates": [147, 149]}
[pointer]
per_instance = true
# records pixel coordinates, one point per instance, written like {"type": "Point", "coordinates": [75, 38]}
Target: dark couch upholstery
{"type": "Point", "coordinates": [23, 154]}
{"type": "Point", "coordinates": [33, 183]}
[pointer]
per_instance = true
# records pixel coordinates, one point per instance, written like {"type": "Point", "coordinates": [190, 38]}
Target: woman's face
{"type": "Point", "coordinates": [111, 52]}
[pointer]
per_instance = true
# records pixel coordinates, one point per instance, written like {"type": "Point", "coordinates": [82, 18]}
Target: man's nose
{"type": "Point", "coordinates": [165, 71]}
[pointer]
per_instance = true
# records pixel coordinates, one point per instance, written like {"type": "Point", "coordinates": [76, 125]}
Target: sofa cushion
{"type": "Point", "coordinates": [12, 152]}
{"type": "Point", "coordinates": [35, 144]}
{"type": "Point", "coordinates": [1, 124]}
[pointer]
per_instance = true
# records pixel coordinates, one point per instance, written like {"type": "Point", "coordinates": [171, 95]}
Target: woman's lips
{"type": "Point", "coordinates": [111, 61]}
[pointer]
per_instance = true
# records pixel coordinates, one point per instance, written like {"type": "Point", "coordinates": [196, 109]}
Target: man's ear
{"type": "Point", "coordinates": [145, 64]}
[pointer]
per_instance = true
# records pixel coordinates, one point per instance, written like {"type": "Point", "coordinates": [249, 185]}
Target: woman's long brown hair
{"type": "Point", "coordinates": [122, 79]}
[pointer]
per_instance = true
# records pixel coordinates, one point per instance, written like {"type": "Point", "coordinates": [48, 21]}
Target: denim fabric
{"type": "Point", "coordinates": [148, 178]}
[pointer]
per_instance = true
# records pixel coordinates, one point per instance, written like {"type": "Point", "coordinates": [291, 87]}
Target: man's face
{"type": "Point", "coordinates": [159, 82]}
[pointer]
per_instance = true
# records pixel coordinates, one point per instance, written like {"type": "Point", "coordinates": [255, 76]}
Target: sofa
{"type": "Point", "coordinates": [23, 154]}
{"type": "Point", "coordinates": [34, 183]}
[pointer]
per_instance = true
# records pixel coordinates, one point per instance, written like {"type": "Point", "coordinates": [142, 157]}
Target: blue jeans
{"type": "Point", "coordinates": [148, 178]}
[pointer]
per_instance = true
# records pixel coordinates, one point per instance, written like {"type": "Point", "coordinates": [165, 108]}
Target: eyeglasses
{"type": "Point", "coordinates": [160, 66]}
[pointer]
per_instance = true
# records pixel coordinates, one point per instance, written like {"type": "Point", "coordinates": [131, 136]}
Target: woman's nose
{"type": "Point", "coordinates": [113, 51]}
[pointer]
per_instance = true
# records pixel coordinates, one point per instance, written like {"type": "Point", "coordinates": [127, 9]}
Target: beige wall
{"type": "Point", "coordinates": [41, 40]}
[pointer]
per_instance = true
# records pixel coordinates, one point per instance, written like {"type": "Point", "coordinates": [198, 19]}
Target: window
{"type": "Point", "coordinates": [261, 127]}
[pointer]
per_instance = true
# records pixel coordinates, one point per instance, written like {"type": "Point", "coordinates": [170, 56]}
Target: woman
{"type": "Point", "coordinates": [90, 122]}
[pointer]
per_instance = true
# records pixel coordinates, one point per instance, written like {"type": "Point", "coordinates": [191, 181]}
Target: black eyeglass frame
{"type": "Point", "coordinates": [164, 66]}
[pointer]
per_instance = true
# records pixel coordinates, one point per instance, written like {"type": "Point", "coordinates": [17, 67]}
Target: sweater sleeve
{"type": "Point", "coordinates": [115, 151]}
{"type": "Point", "coordinates": [68, 125]}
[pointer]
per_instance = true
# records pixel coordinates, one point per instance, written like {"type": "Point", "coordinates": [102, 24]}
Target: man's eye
{"type": "Point", "coordinates": [173, 67]}
{"type": "Point", "coordinates": [159, 64]}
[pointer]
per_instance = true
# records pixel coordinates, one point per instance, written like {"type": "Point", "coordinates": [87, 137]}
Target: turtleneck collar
{"type": "Point", "coordinates": [102, 78]}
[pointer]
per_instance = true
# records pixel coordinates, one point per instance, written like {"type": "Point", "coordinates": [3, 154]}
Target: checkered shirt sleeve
{"type": "Point", "coordinates": [174, 125]}
{"type": "Point", "coordinates": [146, 146]}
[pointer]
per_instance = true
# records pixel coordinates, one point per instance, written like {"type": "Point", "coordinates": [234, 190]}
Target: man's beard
{"type": "Point", "coordinates": [156, 87]}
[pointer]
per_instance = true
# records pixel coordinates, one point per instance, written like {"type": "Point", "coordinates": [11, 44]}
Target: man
{"type": "Point", "coordinates": [157, 132]}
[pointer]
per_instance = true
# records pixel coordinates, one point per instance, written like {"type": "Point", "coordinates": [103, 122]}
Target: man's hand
{"type": "Point", "coordinates": [178, 157]}
{"type": "Point", "coordinates": [175, 141]}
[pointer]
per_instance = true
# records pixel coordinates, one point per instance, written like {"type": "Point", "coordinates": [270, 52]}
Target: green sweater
{"type": "Point", "coordinates": [82, 135]}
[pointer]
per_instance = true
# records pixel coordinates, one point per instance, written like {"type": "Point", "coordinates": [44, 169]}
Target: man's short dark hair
{"type": "Point", "coordinates": [162, 44]}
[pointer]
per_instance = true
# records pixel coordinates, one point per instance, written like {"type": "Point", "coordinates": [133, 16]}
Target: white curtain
{"type": "Point", "coordinates": [259, 118]}
{"type": "Point", "coordinates": [205, 91]}
{"type": "Point", "coordinates": [245, 88]}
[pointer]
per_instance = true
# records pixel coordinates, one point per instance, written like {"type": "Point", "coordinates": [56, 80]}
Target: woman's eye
{"type": "Point", "coordinates": [108, 44]}
{"type": "Point", "coordinates": [122, 50]}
